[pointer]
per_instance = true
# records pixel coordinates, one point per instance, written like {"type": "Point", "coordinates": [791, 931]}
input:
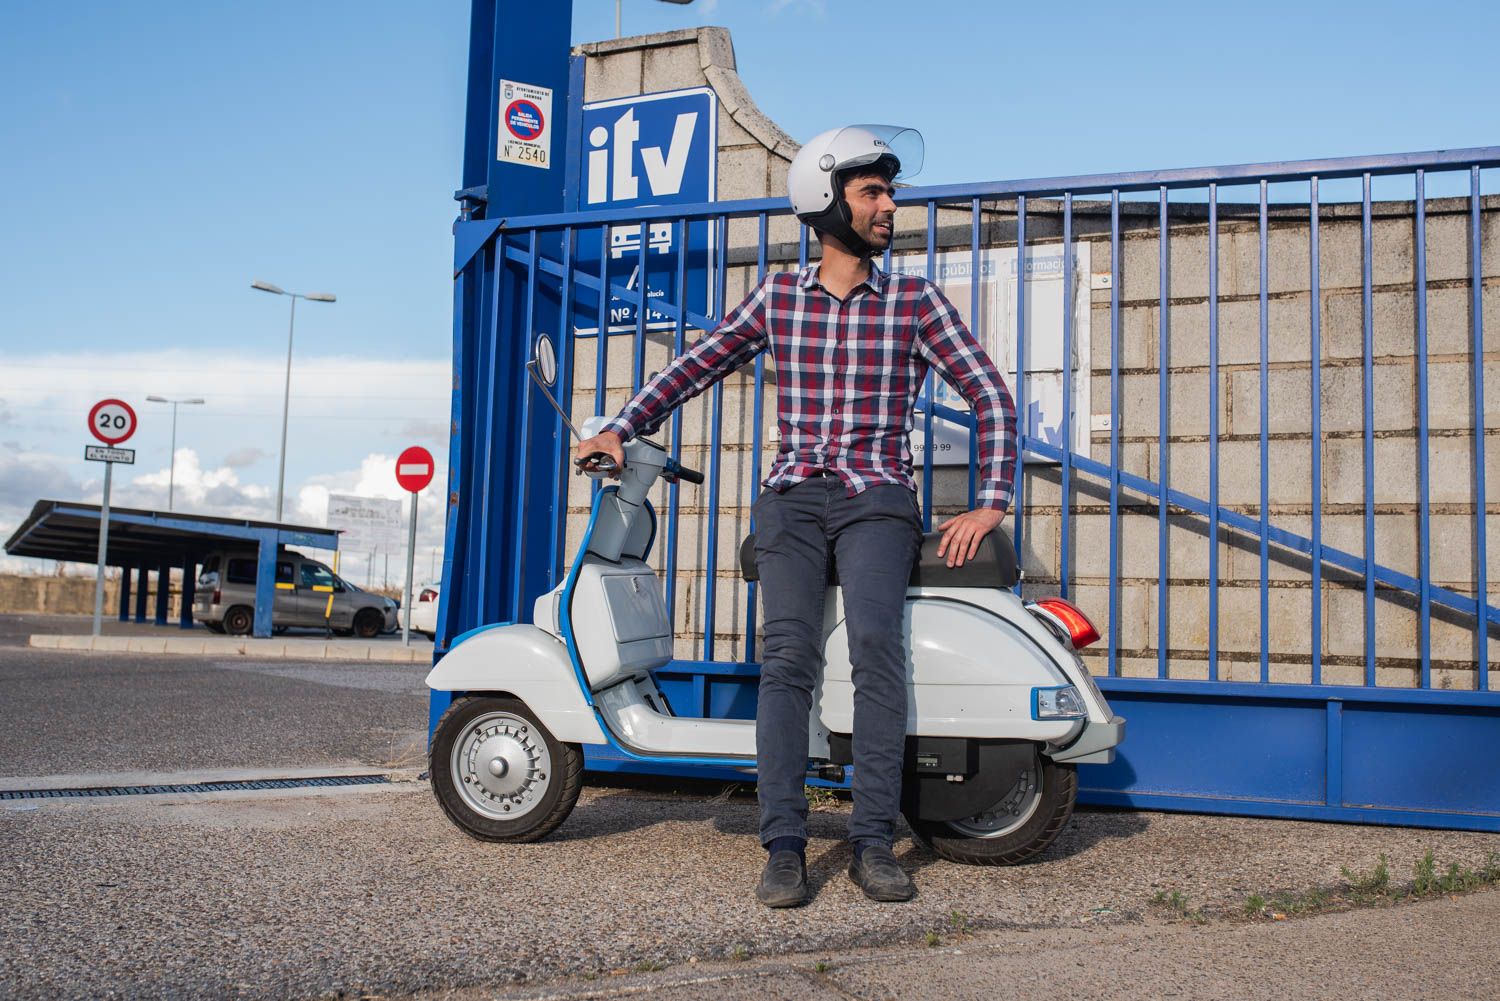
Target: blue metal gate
{"type": "Point", "coordinates": [1298, 715]}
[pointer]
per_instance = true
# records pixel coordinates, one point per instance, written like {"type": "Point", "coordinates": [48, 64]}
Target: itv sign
{"type": "Point", "coordinates": [655, 149]}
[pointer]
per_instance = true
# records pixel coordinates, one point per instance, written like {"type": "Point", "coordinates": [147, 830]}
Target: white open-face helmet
{"type": "Point", "coordinates": [815, 182]}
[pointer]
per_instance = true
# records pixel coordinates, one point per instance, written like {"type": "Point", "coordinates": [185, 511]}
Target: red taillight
{"type": "Point", "coordinates": [1081, 631]}
{"type": "Point", "coordinates": [218, 596]}
{"type": "Point", "coordinates": [428, 594]}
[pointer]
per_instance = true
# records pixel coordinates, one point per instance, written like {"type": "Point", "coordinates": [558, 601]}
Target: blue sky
{"type": "Point", "coordinates": [159, 156]}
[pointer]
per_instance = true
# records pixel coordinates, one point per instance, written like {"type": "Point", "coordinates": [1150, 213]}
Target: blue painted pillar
{"type": "Point", "coordinates": [523, 44]}
{"type": "Point", "coordinates": [124, 594]}
{"type": "Point", "coordinates": [142, 585]}
{"type": "Point", "coordinates": [189, 591]}
{"type": "Point", "coordinates": [265, 586]}
{"type": "Point", "coordinates": [163, 591]}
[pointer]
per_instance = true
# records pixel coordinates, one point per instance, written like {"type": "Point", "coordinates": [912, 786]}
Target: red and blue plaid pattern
{"type": "Point", "coordinates": [847, 378]}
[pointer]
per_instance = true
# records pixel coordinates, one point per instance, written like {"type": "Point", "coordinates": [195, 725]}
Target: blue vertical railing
{"type": "Point", "coordinates": [1044, 212]}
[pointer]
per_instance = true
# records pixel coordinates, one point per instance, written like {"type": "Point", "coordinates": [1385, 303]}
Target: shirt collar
{"type": "Point", "coordinates": [876, 282]}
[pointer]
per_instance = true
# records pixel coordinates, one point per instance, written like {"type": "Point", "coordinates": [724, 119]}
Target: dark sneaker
{"type": "Point", "coordinates": [784, 881]}
{"type": "Point", "coordinates": [877, 872]}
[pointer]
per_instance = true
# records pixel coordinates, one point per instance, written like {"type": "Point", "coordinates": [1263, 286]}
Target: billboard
{"type": "Point", "coordinates": [366, 524]}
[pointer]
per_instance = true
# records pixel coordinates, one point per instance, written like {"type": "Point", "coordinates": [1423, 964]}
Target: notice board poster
{"type": "Point", "coordinates": [995, 327]}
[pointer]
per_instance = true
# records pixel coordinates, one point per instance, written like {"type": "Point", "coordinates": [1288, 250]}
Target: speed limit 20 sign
{"type": "Point", "coordinates": [112, 421]}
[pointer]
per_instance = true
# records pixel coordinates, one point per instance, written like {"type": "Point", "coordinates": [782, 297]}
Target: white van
{"type": "Point", "coordinates": [224, 599]}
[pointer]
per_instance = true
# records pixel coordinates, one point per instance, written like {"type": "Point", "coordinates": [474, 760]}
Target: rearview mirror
{"type": "Point", "coordinates": [544, 358]}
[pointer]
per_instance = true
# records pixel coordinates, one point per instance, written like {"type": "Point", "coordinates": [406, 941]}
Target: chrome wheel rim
{"type": "Point", "coordinates": [1010, 813]}
{"type": "Point", "coordinates": [500, 766]}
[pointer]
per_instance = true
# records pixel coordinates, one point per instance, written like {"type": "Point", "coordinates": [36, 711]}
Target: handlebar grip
{"type": "Point", "coordinates": [601, 462]}
{"type": "Point", "coordinates": [691, 475]}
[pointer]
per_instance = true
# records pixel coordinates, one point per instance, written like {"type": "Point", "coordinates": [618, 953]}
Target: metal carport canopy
{"type": "Point", "coordinates": [69, 530]}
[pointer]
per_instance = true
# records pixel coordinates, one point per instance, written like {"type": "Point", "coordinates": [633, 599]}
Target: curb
{"type": "Point", "coordinates": [228, 646]}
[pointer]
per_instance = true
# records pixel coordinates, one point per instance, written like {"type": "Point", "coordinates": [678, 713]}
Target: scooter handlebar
{"type": "Point", "coordinates": [597, 464]}
{"type": "Point", "coordinates": [684, 473]}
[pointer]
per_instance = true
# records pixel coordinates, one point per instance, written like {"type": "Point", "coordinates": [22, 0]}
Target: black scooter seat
{"type": "Point", "coordinates": [993, 566]}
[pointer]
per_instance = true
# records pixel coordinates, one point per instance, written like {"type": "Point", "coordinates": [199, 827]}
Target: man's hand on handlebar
{"type": "Point", "coordinates": [606, 442]}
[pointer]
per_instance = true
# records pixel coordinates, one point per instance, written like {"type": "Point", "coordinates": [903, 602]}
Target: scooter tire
{"type": "Point", "coordinates": [557, 800]}
{"type": "Point", "coordinates": [1059, 793]}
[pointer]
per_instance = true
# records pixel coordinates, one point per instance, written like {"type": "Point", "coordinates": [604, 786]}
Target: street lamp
{"type": "Point", "coordinates": [172, 468]}
{"type": "Point", "coordinates": [286, 396]}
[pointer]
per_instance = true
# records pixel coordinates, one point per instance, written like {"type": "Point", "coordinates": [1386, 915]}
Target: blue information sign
{"type": "Point", "coordinates": [655, 149]}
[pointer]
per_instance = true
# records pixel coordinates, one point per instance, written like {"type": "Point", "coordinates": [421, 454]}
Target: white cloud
{"type": "Point", "coordinates": [204, 491]}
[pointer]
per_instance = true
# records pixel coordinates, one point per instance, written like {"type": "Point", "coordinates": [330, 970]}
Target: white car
{"type": "Point", "coordinates": [424, 609]}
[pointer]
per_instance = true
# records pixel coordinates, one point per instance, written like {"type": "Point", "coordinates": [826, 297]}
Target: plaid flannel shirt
{"type": "Point", "coordinates": [847, 378]}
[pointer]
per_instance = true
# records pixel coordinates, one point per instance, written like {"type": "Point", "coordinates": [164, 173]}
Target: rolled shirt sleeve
{"type": "Point", "coordinates": [950, 349]}
{"type": "Point", "coordinates": [728, 346]}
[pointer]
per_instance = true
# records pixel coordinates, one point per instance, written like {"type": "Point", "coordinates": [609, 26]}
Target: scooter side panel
{"type": "Point", "coordinates": [526, 662]}
{"type": "Point", "coordinates": [970, 673]}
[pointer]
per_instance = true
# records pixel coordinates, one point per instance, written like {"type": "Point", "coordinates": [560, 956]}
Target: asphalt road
{"type": "Point", "coordinates": [371, 890]}
{"type": "Point", "coordinates": [79, 713]}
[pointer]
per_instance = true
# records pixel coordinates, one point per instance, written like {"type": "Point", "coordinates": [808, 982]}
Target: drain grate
{"type": "Point", "coordinates": [228, 786]}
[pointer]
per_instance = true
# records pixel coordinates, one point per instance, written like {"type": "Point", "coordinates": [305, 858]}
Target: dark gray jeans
{"type": "Point", "coordinates": [874, 536]}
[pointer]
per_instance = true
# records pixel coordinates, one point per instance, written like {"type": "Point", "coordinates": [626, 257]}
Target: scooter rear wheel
{"type": "Point", "coordinates": [1019, 827]}
{"type": "Point", "coordinates": [499, 774]}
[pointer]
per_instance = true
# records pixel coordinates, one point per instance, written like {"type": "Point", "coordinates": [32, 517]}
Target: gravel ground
{"type": "Point", "coordinates": [377, 892]}
{"type": "Point", "coordinates": [70, 714]}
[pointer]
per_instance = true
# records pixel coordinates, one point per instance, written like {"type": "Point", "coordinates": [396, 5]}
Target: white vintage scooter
{"type": "Point", "coordinates": [1001, 709]}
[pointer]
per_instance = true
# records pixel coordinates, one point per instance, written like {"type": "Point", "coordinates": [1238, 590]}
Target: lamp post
{"type": "Point", "coordinates": [286, 395]}
{"type": "Point", "coordinates": [172, 467]}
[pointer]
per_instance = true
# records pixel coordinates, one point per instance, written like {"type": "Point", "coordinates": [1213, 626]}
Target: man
{"type": "Point", "coordinates": [852, 346]}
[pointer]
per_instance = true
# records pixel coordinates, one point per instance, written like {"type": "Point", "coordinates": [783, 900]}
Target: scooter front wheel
{"type": "Point", "coordinates": [1021, 825]}
{"type": "Point", "coordinates": [499, 774]}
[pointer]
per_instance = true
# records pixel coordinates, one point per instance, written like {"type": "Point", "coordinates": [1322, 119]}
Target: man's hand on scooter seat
{"type": "Point", "coordinates": [962, 534]}
{"type": "Point", "coordinates": [607, 442]}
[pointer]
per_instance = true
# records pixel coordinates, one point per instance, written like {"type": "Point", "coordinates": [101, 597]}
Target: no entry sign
{"type": "Point", "coordinates": [414, 469]}
{"type": "Point", "coordinates": [112, 421]}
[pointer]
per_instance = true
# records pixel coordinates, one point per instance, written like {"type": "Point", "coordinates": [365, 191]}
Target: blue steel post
{"type": "Point", "coordinates": [142, 584]}
{"type": "Point", "coordinates": [1065, 471]}
{"type": "Point", "coordinates": [1476, 311]}
{"type": "Point", "coordinates": [1265, 472]}
{"type": "Point", "coordinates": [265, 586]}
{"type": "Point", "coordinates": [1163, 479]}
{"type": "Point", "coordinates": [124, 610]}
{"type": "Point", "coordinates": [163, 589]}
{"type": "Point", "coordinates": [976, 327]}
{"type": "Point", "coordinates": [1023, 416]}
{"type": "Point", "coordinates": [564, 394]}
{"type": "Point", "coordinates": [643, 303]}
{"type": "Point", "coordinates": [1114, 432]}
{"type": "Point", "coordinates": [601, 356]}
{"type": "Point", "coordinates": [523, 455]}
{"type": "Point", "coordinates": [928, 445]}
{"type": "Point", "coordinates": [1367, 256]}
{"type": "Point", "coordinates": [189, 591]}
{"type": "Point", "coordinates": [1213, 432]}
{"type": "Point", "coordinates": [755, 439]}
{"type": "Point", "coordinates": [716, 421]}
{"type": "Point", "coordinates": [1424, 549]}
{"type": "Point", "coordinates": [1316, 380]}
{"type": "Point", "coordinates": [674, 490]}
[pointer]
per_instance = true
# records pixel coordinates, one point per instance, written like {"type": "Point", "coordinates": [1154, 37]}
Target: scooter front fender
{"type": "Point", "coordinates": [529, 664]}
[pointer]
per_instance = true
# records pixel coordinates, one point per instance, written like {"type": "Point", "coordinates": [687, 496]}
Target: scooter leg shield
{"type": "Point", "coordinates": [527, 663]}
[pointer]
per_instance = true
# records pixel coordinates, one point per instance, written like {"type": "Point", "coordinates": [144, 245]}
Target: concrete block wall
{"type": "Point", "coordinates": [753, 157]}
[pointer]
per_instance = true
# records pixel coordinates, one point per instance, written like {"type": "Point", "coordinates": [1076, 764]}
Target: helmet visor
{"type": "Point", "coordinates": [903, 143]}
